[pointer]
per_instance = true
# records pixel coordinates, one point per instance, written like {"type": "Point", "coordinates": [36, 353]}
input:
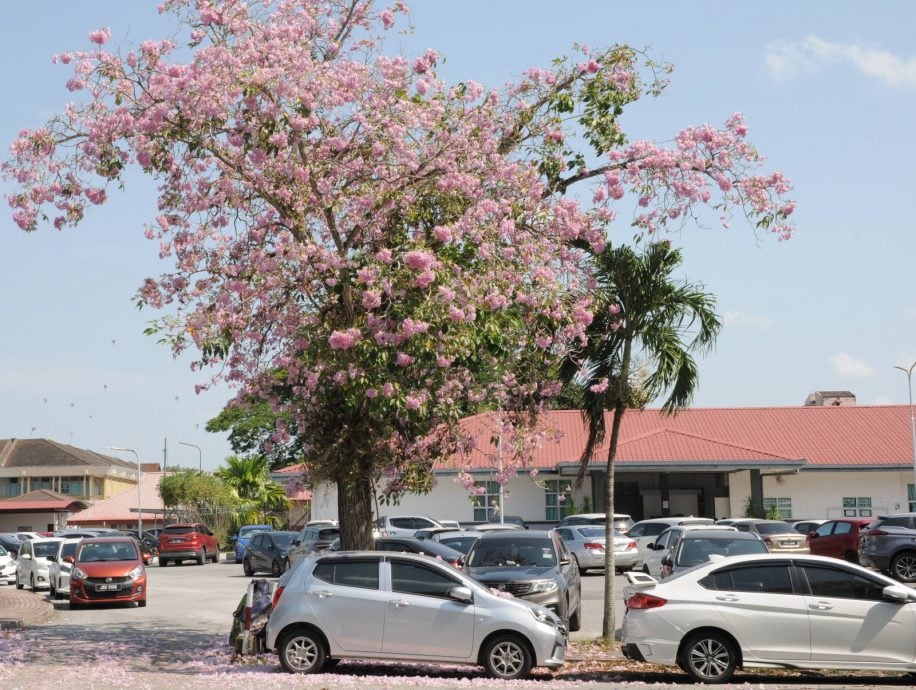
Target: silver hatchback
{"type": "Point", "coordinates": [382, 605]}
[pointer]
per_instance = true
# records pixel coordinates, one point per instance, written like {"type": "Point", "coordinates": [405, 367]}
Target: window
{"type": "Point", "coordinates": [362, 574]}
{"type": "Point", "coordinates": [911, 496]}
{"type": "Point", "coordinates": [825, 529]}
{"type": "Point", "coordinates": [784, 505]}
{"type": "Point", "coordinates": [769, 579]}
{"type": "Point", "coordinates": [413, 578]}
{"type": "Point", "coordinates": [831, 582]}
{"type": "Point", "coordinates": [556, 494]}
{"type": "Point", "coordinates": [843, 528]}
{"type": "Point", "coordinates": [856, 506]}
{"type": "Point", "coordinates": [485, 501]}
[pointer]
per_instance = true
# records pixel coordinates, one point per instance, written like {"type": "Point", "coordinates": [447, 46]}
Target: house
{"type": "Point", "coordinates": [121, 511]}
{"type": "Point", "coordinates": [43, 482]}
{"type": "Point", "coordinates": [827, 458]}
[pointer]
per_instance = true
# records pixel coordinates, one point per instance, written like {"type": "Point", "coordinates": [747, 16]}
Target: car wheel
{"type": "Point", "coordinates": [575, 618]}
{"type": "Point", "coordinates": [142, 603]}
{"type": "Point", "coordinates": [287, 565]}
{"type": "Point", "coordinates": [246, 568]}
{"type": "Point", "coordinates": [852, 556]}
{"type": "Point", "coordinates": [903, 567]}
{"type": "Point", "coordinates": [74, 606]}
{"type": "Point", "coordinates": [18, 582]}
{"type": "Point", "coordinates": [276, 569]}
{"type": "Point", "coordinates": [506, 657]}
{"type": "Point", "coordinates": [52, 591]}
{"type": "Point", "coordinates": [202, 556]}
{"type": "Point", "coordinates": [215, 556]}
{"type": "Point", "coordinates": [32, 582]}
{"type": "Point", "coordinates": [709, 657]}
{"type": "Point", "coordinates": [301, 651]}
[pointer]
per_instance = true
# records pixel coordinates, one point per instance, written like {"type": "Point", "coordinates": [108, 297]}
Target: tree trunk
{"type": "Point", "coordinates": [354, 512]}
{"type": "Point", "coordinates": [609, 625]}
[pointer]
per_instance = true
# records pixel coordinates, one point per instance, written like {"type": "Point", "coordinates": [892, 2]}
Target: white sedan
{"type": "Point", "coordinates": [771, 611]}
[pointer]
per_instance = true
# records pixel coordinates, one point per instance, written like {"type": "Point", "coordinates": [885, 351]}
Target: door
{"type": "Point", "coordinates": [421, 619]}
{"type": "Point", "coordinates": [348, 603]}
{"type": "Point", "coordinates": [761, 609]}
{"type": "Point", "coordinates": [653, 560]}
{"type": "Point", "coordinates": [851, 622]}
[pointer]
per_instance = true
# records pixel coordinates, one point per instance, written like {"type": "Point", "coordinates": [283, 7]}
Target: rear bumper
{"type": "Point", "coordinates": [183, 554]}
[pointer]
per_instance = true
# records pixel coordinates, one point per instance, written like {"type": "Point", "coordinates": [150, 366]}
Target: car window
{"type": "Point", "coordinates": [256, 541]}
{"type": "Point", "coordinates": [899, 521]}
{"type": "Point", "coordinates": [402, 523]}
{"type": "Point", "coordinates": [462, 544]}
{"type": "Point", "coordinates": [637, 531]}
{"type": "Point", "coordinates": [768, 579]}
{"type": "Point", "coordinates": [328, 534]}
{"type": "Point", "coordinates": [522, 553]}
{"type": "Point", "coordinates": [363, 573]}
{"type": "Point", "coordinates": [591, 532]}
{"type": "Point", "coordinates": [773, 527]}
{"type": "Point", "coordinates": [45, 549]}
{"type": "Point", "coordinates": [424, 523]}
{"type": "Point", "coordinates": [842, 584]}
{"type": "Point", "coordinates": [565, 533]}
{"type": "Point", "coordinates": [824, 529]}
{"type": "Point", "coordinates": [414, 578]}
{"type": "Point", "coordinates": [843, 528]}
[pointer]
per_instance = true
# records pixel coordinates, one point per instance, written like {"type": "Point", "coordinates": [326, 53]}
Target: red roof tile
{"type": "Point", "coordinates": [123, 507]}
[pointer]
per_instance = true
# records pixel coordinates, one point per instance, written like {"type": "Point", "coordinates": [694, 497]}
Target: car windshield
{"type": "Point", "coordinates": [774, 527]}
{"type": "Point", "coordinates": [695, 551]}
{"type": "Point", "coordinates": [111, 551]}
{"type": "Point", "coordinates": [593, 532]}
{"type": "Point", "coordinates": [505, 553]}
{"type": "Point", "coordinates": [68, 549]}
{"type": "Point", "coordinates": [46, 548]}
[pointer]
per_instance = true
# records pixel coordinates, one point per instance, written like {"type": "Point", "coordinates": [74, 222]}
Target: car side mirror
{"type": "Point", "coordinates": [461, 593]}
{"type": "Point", "coordinates": [898, 594]}
{"type": "Point", "coordinates": [25, 556]}
{"type": "Point", "coordinates": [68, 559]}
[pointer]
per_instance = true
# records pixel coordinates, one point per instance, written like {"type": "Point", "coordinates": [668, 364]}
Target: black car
{"type": "Point", "coordinates": [533, 565]}
{"type": "Point", "coordinates": [10, 542]}
{"type": "Point", "coordinates": [266, 552]}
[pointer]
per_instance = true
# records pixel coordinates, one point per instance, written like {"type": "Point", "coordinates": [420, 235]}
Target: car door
{"type": "Point", "coordinates": [763, 611]}
{"type": "Point", "coordinates": [823, 542]}
{"type": "Point", "coordinates": [420, 618]}
{"type": "Point", "coordinates": [852, 622]}
{"type": "Point", "coordinates": [253, 551]}
{"type": "Point", "coordinates": [348, 602]}
{"type": "Point", "coordinates": [570, 572]}
{"type": "Point", "coordinates": [653, 561]}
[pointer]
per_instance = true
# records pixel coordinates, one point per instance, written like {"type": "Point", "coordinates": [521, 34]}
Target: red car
{"type": "Point", "coordinates": [838, 538]}
{"type": "Point", "coordinates": [107, 570]}
{"type": "Point", "coordinates": [185, 542]}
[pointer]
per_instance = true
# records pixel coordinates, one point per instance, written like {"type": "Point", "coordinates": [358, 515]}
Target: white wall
{"type": "Point", "coordinates": [820, 494]}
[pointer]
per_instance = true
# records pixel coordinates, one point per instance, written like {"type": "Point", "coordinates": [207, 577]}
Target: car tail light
{"type": "Point", "coordinates": [277, 593]}
{"type": "Point", "coordinates": [594, 545]}
{"type": "Point", "coordinates": [768, 541]}
{"type": "Point", "coordinates": [632, 544]}
{"type": "Point", "coordinates": [641, 600]}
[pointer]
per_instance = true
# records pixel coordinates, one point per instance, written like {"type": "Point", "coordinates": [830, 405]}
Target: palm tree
{"type": "Point", "coordinates": [250, 480]}
{"type": "Point", "coordinates": [639, 310]}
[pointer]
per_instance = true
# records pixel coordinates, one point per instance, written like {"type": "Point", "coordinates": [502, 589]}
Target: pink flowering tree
{"type": "Point", "coordinates": [372, 252]}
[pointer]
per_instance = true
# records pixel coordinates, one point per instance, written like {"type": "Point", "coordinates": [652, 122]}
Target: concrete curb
{"type": "Point", "coordinates": [20, 608]}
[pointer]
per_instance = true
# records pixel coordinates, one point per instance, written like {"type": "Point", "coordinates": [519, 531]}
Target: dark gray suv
{"type": "Point", "coordinates": [889, 545]}
{"type": "Point", "coordinates": [533, 565]}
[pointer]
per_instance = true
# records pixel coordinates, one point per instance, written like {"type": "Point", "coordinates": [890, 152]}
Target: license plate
{"type": "Point", "coordinates": [107, 588]}
{"type": "Point", "coordinates": [790, 543]}
{"type": "Point", "coordinates": [176, 540]}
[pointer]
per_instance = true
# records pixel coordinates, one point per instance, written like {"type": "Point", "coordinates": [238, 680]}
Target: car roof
{"type": "Point", "coordinates": [515, 534]}
{"type": "Point", "coordinates": [680, 520]}
{"type": "Point", "coordinates": [107, 540]}
{"type": "Point", "coordinates": [458, 533]}
{"type": "Point", "coordinates": [719, 534]}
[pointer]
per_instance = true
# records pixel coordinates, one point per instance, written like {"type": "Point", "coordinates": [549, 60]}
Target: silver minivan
{"type": "Point", "coordinates": [384, 605]}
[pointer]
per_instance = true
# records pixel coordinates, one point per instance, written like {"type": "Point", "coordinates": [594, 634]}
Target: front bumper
{"type": "Point", "coordinates": [86, 592]}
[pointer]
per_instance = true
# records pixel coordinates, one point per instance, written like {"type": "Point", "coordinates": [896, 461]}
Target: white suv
{"type": "Point", "coordinates": [403, 525]}
{"type": "Point", "coordinates": [645, 531]}
{"type": "Point", "coordinates": [652, 563]}
{"type": "Point", "coordinates": [33, 562]}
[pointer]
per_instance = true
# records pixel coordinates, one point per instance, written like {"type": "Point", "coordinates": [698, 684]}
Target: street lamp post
{"type": "Point", "coordinates": [139, 502]}
{"type": "Point", "coordinates": [909, 382]}
{"type": "Point", "coordinates": [200, 455]}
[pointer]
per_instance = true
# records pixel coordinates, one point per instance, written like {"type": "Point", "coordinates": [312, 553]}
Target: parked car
{"type": "Point", "coordinates": [183, 542]}
{"type": "Point", "coordinates": [429, 548]}
{"type": "Point", "coordinates": [406, 608]}
{"type": "Point", "coordinates": [804, 612]}
{"type": "Point", "coordinates": [403, 525]}
{"type": "Point", "coordinates": [460, 540]}
{"type": "Point", "coordinates": [107, 570]}
{"type": "Point", "coordinates": [805, 526]}
{"type": "Point", "coordinates": [10, 542]}
{"type": "Point", "coordinates": [7, 566]}
{"type": "Point", "coordinates": [646, 531]}
{"type": "Point", "coordinates": [778, 535]}
{"type": "Point", "coordinates": [889, 544]}
{"type": "Point", "coordinates": [496, 526]}
{"type": "Point", "coordinates": [587, 543]}
{"type": "Point", "coordinates": [652, 563]}
{"type": "Point", "coordinates": [454, 524]}
{"type": "Point", "coordinates": [61, 564]}
{"type": "Point", "coordinates": [622, 521]}
{"type": "Point", "coordinates": [244, 536]}
{"type": "Point", "coordinates": [838, 538]}
{"type": "Point", "coordinates": [433, 532]}
{"type": "Point", "coordinates": [77, 533]}
{"type": "Point", "coordinates": [534, 565]}
{"type": "Point", "coordinates": [266, 552]}
{"type": "Point", "coordinates": [145, 537]}
{"type": "Point", "coordinates": [697, 546]}
{"type": "Point", "coordinates": [310, 540]}
{"type": "Point", "coordinates": [33, 564]}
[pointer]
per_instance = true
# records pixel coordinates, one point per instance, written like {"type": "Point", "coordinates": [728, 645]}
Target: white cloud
{"type": "Point", "coordinates": [847, 365]}
{"type": "Point", "coordinates": [787, 59]}
{"type": "Point", "coordinates": [742, 319]}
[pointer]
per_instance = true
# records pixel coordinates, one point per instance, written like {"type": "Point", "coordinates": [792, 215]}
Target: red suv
{"type": "Point", "coordinates": [183, 542]}
{"type": "Point", "coordinates": [838, 538]}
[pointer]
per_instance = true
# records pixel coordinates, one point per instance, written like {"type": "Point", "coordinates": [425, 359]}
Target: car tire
{"type": "Point", "coordinates": [852, 556]}
{"type": "Point", "coordinates": [141, 604]}
{"type": "Point", "coordinates": [709, 657]}
{"type": "Point", "coordinates": [287, 565]}
{"type": "Point", "coordinates": [52, 591]}
{"type": "Point", "coordinates": [246, 568]}
{"type": "Point", "coordinates": [276, 568]}
{"type": "Point", "coordinates": [575, 618]}
{"type": "Point", "coordinates": [163, 562]}
{"type": "Point", "coordinates": [506, 657]}
{"type": "Point", "coordinates": [301, 651]}
{"type": "Point", "coordinates": [202, 555]}
{"type": "Point", "coordinates": [75, 606]}
{"type": "Point", "coordinates": [19, 584]}
{"type": "Point", "coordinates": [903, 566]}
{"type": "Point", "coordinates": [215, 556]}
{"type": "Point", "coordinates": [32, 582]}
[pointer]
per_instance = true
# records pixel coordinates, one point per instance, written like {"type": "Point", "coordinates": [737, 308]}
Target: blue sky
{"type": "Point", "coordinates": [829, 93]}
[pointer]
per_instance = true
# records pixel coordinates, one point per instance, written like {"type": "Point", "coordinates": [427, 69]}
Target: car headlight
{"type": "Point", "coordinates": [77, 574]}
{"type": "Point", "coordinates": [544, 616]}
{"type": "Point", "coordinates": [543, 585]}
{"type": "Point", "coordinates": [135, 573]}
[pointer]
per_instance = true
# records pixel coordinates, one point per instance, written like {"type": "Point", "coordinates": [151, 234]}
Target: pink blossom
{"type": "Point", "coordinates": [404, 360]}
{"type": "Point", "coordinates": [100, 36]}
{"type": "Point", "coordinates": [419, 260]}
{"type": "Point", "coordinates": [599, 387]}
{"type": "Point", "coordinates": [387, 18]}
{"type": "Point", "coordinates": [372, 299]}
{"type": "Point", "coordinates": [388, 390]}
{"type": "Point", "coordinates": [344, 340]}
